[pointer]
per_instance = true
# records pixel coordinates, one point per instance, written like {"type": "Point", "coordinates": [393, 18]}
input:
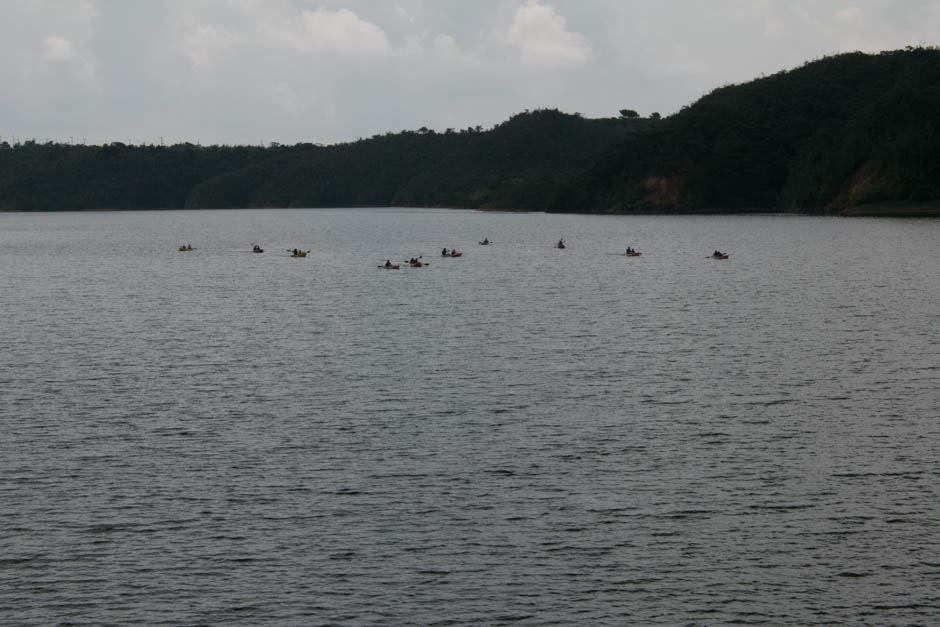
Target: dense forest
{"type": "Point", "coordinates": [838, 133]}
{"type": "Point", "coordinates": [516, 164]}
{"type": "Point", "coordinates": [834, 135]}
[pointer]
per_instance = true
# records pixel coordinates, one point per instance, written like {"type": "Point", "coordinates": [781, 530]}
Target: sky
{"type": "Point", "coordinates": [327, 71]}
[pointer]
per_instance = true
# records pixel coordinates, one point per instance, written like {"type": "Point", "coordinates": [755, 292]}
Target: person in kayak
{"type": "Point", "coordinates": [388, 263]}
{"type": "Point", "coordinates": [444, 252]}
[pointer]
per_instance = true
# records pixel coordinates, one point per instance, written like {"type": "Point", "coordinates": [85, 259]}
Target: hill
{"type": "Point", "coordinates": [516, 164]}
{"type": "Point", "coordinates": [852, 133]}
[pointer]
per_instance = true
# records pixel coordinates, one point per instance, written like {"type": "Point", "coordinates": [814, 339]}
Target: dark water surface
{"type": "Point", "coordinates": [522, 435]}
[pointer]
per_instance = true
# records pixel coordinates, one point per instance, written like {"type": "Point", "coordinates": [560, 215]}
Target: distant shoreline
{"type": "Point", "coordinates": [895, 209]}
{"type": "Point", "coordinates": [876, 210]}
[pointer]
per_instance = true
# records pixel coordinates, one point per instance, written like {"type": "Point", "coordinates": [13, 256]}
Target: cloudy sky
{"type": "Point", "coordinates": [260, 71]}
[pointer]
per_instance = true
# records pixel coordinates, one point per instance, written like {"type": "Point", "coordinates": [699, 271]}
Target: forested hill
{"type": "Point", "coordinates": [844, 132]}
{"type": "Point", "coordinates": [838, 134]}
{"type": "Point", "coordinates": [516, 164]}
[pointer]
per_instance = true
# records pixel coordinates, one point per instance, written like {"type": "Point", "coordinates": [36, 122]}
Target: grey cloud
{"type": "Point", "coordinates": [247, 71]}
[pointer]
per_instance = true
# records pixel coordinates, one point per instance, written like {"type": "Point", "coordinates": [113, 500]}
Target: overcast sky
{"type": "Point", "coordinates": [259, 71]}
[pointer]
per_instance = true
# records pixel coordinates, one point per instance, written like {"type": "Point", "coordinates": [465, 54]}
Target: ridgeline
{"type": "Point", "coordinates": [517, 164]}
{"type": "Point", "coordinates": [852, 133]}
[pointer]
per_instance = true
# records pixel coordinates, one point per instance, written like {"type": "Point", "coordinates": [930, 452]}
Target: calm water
{"type": "Point", "coordinates": [524, 434]}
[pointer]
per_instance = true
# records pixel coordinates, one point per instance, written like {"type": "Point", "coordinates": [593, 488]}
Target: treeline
{"type": "Point", "coordinates": [516, 164]}
{"type": "Point", "coordinates": [837, 133]}
{"type": "Point", "coordinates": [841, 132]}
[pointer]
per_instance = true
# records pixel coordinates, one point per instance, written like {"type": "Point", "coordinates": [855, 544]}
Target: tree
{"type": "Point", "coordinates": [629, 113]}
{"type": "Point", "coordinates": [655, 115]}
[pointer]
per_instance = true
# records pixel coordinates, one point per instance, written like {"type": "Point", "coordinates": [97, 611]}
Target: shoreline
{"type": "Point", "coordinates": [929, 209]}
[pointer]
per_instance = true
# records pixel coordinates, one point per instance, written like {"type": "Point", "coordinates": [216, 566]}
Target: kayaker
{"type": "Point", "coordinates": [444, 252]}
{"type": "Point", "coordinates": [388, 263]}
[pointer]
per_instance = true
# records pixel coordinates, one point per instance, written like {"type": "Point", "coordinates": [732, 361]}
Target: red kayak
{"type": "Point", "coordinates": [389, 267]}
{"type": "Point", "coordinates": [634, 254]}
{"type": "Point", "coordinates": [452, 255]}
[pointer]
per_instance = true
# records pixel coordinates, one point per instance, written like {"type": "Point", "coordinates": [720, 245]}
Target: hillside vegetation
{"type": "Point", "coordinates": [835, 135]}
{"type": "Point", "coordinates": [517, 164]}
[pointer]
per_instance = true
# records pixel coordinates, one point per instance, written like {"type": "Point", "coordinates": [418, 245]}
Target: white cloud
{"type": "Point", "coordinates": [61, 50]}
{"type": "Point", "coordinates": [57, 49]}
{"type": "Point", "coordinates": [341, 31]}
{"type": "Point", "coordinates": [543, 39]}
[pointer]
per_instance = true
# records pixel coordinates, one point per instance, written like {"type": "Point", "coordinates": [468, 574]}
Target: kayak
{"type": "Point", "coordinates": [389, 267]}
{"type": "Point", "coordinates": [184, 249]}
{"type": "Point", "coordinates": [451, 255]}
{"type": "Point", "coordinates": [634, 254]}
{"type": "Point", "coordinates": [559, 245]}
{"type": "Point", "coordinates": [299, 254]}
{"type": "Point", "coordinates": [417, 264]}
{"type": "Point", "coordinates": [723, 256]}
{"type": "Point", "coordinates": [485, 243]}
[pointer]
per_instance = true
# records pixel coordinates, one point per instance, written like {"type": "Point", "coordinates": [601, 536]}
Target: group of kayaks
{"type": "Point", "coordinates": [415, 262]}
{"type": "Point", "coordinates": [631, 252]}
{"type": "Point", "coordinates": [255, 248]}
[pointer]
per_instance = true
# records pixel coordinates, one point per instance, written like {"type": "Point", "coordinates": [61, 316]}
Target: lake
{"type": "Point", "coordinates": [519, 435]}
